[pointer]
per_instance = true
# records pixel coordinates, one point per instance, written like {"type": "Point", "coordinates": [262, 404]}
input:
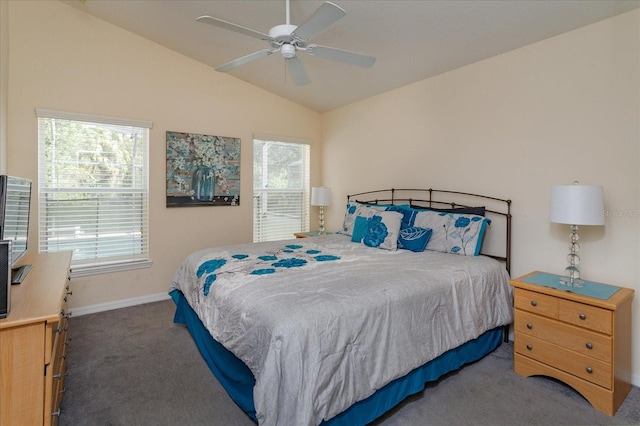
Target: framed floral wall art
{"type": "Point", "coordinates": [202, 170]}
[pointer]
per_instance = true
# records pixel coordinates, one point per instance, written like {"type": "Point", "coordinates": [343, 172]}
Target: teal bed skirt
{"type": "Point", "coordinates": [238, 380]}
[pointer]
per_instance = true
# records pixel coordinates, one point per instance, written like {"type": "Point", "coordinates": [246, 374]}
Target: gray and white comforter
{"type": "Point", "coordinates": [323, 322]}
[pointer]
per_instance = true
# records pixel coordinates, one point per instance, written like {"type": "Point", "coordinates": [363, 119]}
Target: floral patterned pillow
{"type": "Point", "coordinates": [382, 230]}
{"type": "Point", "coordinates": [355, 209]}
{"type": "Point", "coordinates": [453, 232]}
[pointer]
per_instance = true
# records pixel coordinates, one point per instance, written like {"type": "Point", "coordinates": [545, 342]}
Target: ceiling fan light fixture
{"type": "Point", "coordinates": [288, 50]}
{"type": "Point", "coordinates": [282, 32]}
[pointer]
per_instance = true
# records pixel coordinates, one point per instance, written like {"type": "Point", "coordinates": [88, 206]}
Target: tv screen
{"type": "Point", "coordinates": [15, 202]}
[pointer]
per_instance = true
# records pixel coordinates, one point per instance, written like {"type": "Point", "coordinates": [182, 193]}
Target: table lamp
{"type": "Point", "coordinates": [576, 205]}
{"type": "Point", "coordinates": [321, 196]}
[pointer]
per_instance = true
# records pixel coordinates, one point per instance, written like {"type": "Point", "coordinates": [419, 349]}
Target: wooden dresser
{"type": "Point", "coordinates": [582, 341]}
{"type": "Point", "coordinates": [33, 339]}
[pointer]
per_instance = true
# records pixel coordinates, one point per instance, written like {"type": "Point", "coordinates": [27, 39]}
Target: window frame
{"type": "Point", "coordinates": [98, 265]}
{"type": "Point", "coordinates": [306, 185]}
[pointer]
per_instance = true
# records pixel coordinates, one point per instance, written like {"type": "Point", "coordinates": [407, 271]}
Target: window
{"type": "Point", "coordinates": [93, 190]}
{"type": "Point", "coordinates": [280, 188]}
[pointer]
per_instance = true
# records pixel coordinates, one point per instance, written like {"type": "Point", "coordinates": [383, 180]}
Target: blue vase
{"type": "Point", "coordinates": [203, 183]}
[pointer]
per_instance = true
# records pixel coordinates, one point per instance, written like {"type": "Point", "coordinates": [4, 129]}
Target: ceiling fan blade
{"type": "Point", "coordinates": [245, 59]}
{"type": "Point", "coordinates": [324, 16]}
{"type": "Point", "coordinates": [232, 27]}
{"type": "Point", "coordinates": [345, 56]}
{"type": "Point", "coordinates": [299, 74]}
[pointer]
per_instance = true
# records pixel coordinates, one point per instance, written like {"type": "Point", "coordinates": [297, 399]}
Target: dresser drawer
{"type": "Point", "coordinates": [579, 365]}
{"type": "Point", "coordinates": [583, 341]}
{"type": "Point", "coordinates": [586, 316]}
{"type": "Point", "coordinates": [53, 371]}
{"type": "Point", "coordinates": [536, 302]}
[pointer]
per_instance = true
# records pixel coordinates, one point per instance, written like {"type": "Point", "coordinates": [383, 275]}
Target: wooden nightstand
{"type": "Point", "coordinates": [581, 337]}
{"type": "Point", "coordinates": [308, 234]}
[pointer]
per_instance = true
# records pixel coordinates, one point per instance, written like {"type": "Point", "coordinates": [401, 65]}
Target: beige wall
{"type": "Point", "coordinates": [64, 59]}
{"type": "Point", "coordinates": [4, 82]}
{"type": "Point", "coordinates": [512, 126]}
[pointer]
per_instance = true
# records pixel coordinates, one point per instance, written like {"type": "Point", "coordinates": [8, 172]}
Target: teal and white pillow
{"type": "Point", "coordinates": [408, 213]}
{"type": "Point", "coordinates": [382, 229]}
{"type": "Point", "coordinates": [453, 232]}
{"type": "Point", "coordinates": [413, 238]}
{"type": "Point", "coordinates": [355, 209]}
{"type": "Point", "coordinates": [359, 226]}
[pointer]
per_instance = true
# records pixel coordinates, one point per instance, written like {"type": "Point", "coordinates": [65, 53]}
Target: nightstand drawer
{"type": "Point", "coordinates": [586, 316]}
{"type": "Point", "coordinates": [582, 366]}
{"type": "Point", "coordinates": [536, 302]}
{"type": "Point", "coordinates": [583, 341]}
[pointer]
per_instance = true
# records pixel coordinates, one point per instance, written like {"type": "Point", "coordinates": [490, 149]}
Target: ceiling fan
{"type": "Point", "coordinates": [289, 39]}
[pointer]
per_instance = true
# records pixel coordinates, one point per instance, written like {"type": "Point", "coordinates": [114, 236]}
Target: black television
{"type": "Point", "coordinates": [15, 204]}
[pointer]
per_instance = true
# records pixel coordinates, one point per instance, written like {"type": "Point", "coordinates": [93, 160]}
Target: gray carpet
{"type": "Point", "coordinates": [133, 366]}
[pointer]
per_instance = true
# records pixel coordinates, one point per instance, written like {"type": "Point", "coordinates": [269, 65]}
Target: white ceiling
{"type": "Point", "coordinates": [412, 40]}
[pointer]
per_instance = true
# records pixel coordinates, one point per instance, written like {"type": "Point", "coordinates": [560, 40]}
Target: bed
{"type": "Point", "coordinates": [339, 328]}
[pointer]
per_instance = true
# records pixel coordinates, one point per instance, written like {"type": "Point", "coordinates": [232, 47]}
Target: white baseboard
{"type": "Point", "coordinates": [101, 307]}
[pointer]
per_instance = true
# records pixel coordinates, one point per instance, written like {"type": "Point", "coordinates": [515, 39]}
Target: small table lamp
{"type": "Point", "coordinates": [321, 196]}
{"type": "Point", "coordinates": [576, 205]}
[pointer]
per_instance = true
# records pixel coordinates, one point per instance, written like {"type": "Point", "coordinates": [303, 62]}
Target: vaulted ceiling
{"type": "Point", "coordinates": [412, 40]}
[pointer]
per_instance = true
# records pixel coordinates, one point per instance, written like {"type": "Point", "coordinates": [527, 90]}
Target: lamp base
{"type": "Point", "coordinates": [576, 282]}
{"type": "Point", "coordinates": [321, 217]}
{"type": "Point", "coordinates": [572, 272]}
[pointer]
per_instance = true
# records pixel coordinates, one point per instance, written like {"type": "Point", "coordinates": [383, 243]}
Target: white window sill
{"type": "Point", "coordinates": [83, 271]}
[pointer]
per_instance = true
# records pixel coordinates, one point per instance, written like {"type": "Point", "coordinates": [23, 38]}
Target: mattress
{"type": "Point", "coordinates": [238, 381]}
{"type": "Point", "coordinates": [323, 323]}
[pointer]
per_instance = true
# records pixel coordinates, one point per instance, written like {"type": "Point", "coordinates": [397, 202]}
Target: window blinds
{"type": "Point", "coordinates": [93, 190]}
{"type": "Point", "coordinates": [280, 188]}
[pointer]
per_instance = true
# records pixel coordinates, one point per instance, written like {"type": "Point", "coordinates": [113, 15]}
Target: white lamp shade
{"type": "Point", "coordinates": [320, 196]}
{"type": "Point", "coordinates": [577, 205]}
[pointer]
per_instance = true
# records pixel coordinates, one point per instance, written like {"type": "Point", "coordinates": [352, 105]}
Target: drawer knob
{"type": "Point", "coordinates": [589, 370]}
{"type": "Point", "coordinates": [589, 345]}
{"type": "Point", "coordinates": [70, 293]}
{"type": "Point", "coordinates": [534, 303]}
{"type": "Point", "coordinates": [56, 413]}
{"type": "Point", "coordinates": [529, 347]}
{"type": "Point", "coordinates": [582, 316]}
{"type": "Point", "coordinates": [529, 326]}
